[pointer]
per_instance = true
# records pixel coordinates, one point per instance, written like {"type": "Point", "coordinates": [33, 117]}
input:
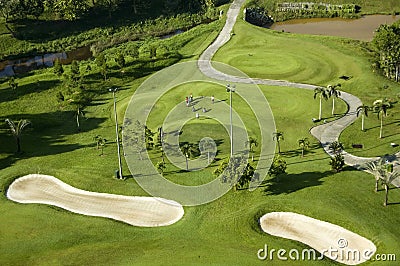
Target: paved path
{"type": "Point", "coordinates": [325, 133]}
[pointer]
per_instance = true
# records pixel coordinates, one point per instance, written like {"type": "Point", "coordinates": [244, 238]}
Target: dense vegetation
{"type": "Point", "coordinates": [386, 43]}
{"type": "Point", "coordinates": [100, 27]}
{"type": "Point", "coordinates": [73, 9]}
{"type": "Point", "coordinates": [223, 232]}
{"type": "Point", "coordinates": [282, 10]}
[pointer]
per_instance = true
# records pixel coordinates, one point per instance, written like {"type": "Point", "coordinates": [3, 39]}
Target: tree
{"type": "Point", "coordinates": [380, 107]}
{"type": "Point", "coordinates": [251, 142]}
{"type": "Point", "coordinates": [376, 168]}
{"type": "Point", "coordinates": [120, 60]}
{"type": "Point", "coordinates": [100, 143]}
{"type": "Point", "coordinates": [232, 171]}
{"type": "Point", "coordinates": [102, 64]}
{"type": "Point", "coordinates": [386, 179]}
{"type": "Point", "coordinates": [12, 83]}
{"type": "Point", "coordinates": [363, 110]}
{"type": "Point", "coordinates": [337, 162]}
{"type": "Point", "coordinates": [9, 8]}
{"type": "Point", "coordinates": [148, 135]}
{"type": "Point", "coordinates": [70, 9]}
{"type": "Point", "coordinates": [134, 51]}
{"type": "Point", "coordinates": [161, 166]}
{"type": "Point", "coordinates": [153, 51]}
{"type": "Point", "coordinates": [304, 144]}
{"type": "Point", "coordinates": [334, 93]}
{"type": "Point", "coordinates": [188, 150]}
{"type": "Point", "coordinates": [247, 176]}
{"type": "Point", "coordinates": [278, 136]}
{"type": "Point", "coordinates": [17, 129]}
{"type": "Point", "coordinates": [386, 42]}
{"type": "Point", "coordinates": [278, 167]}
{"type": "Point", "coordinates": [140, 6]}
{"type": "Point", "coordinates": [336, 147]}
{"type": "Point", "coordinates": [79, 100]}
{"type": "Point", "coordinates": [322, 94]}
{"type": "Point", "coordinates": [75, 72]}
{"type": "Point", "coordinates": [135, 137]}
{"type": "Point", "coordinates": [58, 68]}
{"type": "Point", "coordinates": [110, 5]}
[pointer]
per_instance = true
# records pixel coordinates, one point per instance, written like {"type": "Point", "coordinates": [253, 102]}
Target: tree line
{"type": "Point", "coordinates": [74, 9]}
{"type": "Point", "coordinates": [386, 44]}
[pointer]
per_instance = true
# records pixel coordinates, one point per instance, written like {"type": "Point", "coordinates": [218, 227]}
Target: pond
{"type": "Point", "coordinates": [23, 65]}
{"type": "Point", "coordinates": [359, 29]}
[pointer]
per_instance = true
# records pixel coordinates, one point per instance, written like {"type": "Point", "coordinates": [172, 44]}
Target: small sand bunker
{"type": "Point", "coordinates": [137, 211]}
{"type": "Point", "coordinates": [330, 240]}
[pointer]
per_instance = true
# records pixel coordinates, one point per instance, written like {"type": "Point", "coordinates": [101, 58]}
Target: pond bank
{"type": "Point", "coordinates": [359, 29]}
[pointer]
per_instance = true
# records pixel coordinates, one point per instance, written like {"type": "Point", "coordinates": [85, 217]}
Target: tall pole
{"type": "Point", "coordinates": [120, 176]}
{"type": "Point", "coordinates": [230, 90]}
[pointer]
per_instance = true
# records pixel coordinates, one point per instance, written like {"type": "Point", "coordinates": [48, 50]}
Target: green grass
{"type": "Point", "coordinates": [318, 60]}
{"type": "Point", "coordinates": [224, 232]}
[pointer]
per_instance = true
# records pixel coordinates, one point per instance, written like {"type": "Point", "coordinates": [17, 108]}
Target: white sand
{"type": "Point", "coordinates": [319, 235]}
{"type": "Point", "coordinates": [137, 211]}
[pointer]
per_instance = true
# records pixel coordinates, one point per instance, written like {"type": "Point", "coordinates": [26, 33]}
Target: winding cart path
{"type": "Point", "coordinates": [325, 133]}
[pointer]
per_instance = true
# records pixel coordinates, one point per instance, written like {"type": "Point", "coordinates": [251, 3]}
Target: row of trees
{"type": "Point", "coordinates": [386, 43]}
{"type": "Point", "coordinates": [383, 173]}
{"type": "Point", "coordinates": [379, 106]}
{"type": "Point", "coordinates": [331, 91]}
{"type": "Point", "coordinates": [73, 9]}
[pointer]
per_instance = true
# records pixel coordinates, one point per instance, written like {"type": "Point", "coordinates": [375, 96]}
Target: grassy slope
{"type": "Point", "coordinates": [222, 232]}
{"type": "Point", "coordinates": [318, 60]}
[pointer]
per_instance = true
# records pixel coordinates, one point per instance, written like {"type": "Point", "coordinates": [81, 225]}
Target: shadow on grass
{"type": "Point", "coordinates": [297, 152]}
{"type": "Point", "coordinates": [290, 183]}
{"type": "Point", "coordinates": [48, 134]}
{"type": "Point", "coordinates": [8, 94]}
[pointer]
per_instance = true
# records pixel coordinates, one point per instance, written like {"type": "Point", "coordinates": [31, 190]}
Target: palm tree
{"type": "Point", "coordinates": [363, 110]}
{"type": "Point", "coordinates": [381, 107]}
{"type": "Point", "coordinates": [376, 168]}
{"type": "Point", "coordinates": [334, 93]}
{"type": "Point", "coordinates": [322, 95]}
{"type": "Point", "coordinates": [187, 150]}
{"type": "Point", "coordinates": [304, 144]}
{"type": "Point", "coordinates": [386, 179]}
{"type": "Point", "coordinates": [16, 130]}
{"type": "Point", "coordinates": [278, 136]}
{"type": "Point", "coordinates": [252, 142]}
{"type": "Point", "coordinates": [336, 147]}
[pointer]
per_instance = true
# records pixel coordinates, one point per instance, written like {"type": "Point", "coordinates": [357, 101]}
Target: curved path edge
{"type": "Point", "coordinates": [325, 133]}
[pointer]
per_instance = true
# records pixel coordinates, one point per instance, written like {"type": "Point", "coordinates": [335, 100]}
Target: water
{"type": "Point", "coordinates": [23, 65]}
{"type": "Point", "coordinates": [359, 29]}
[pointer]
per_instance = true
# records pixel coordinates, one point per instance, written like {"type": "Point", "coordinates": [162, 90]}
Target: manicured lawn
{"type": "Point", "coordinates": [223, 232]}
{"type": "Point", "coordinates": [318, 60]}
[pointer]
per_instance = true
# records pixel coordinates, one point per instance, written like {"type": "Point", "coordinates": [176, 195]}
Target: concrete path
{"type": "Point", "coordinates": [325, 133]}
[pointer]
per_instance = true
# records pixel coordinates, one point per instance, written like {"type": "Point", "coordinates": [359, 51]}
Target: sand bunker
{"type": "Point", "coordinates": [332, 241]}
{"type": "Point", "coordinates": [137, 211]}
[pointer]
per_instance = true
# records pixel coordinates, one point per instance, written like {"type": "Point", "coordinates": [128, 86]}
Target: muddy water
{"type": "Point", "coordinates": [23, 65]}
{"type": "Point", "coordinates": [358, 29]}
